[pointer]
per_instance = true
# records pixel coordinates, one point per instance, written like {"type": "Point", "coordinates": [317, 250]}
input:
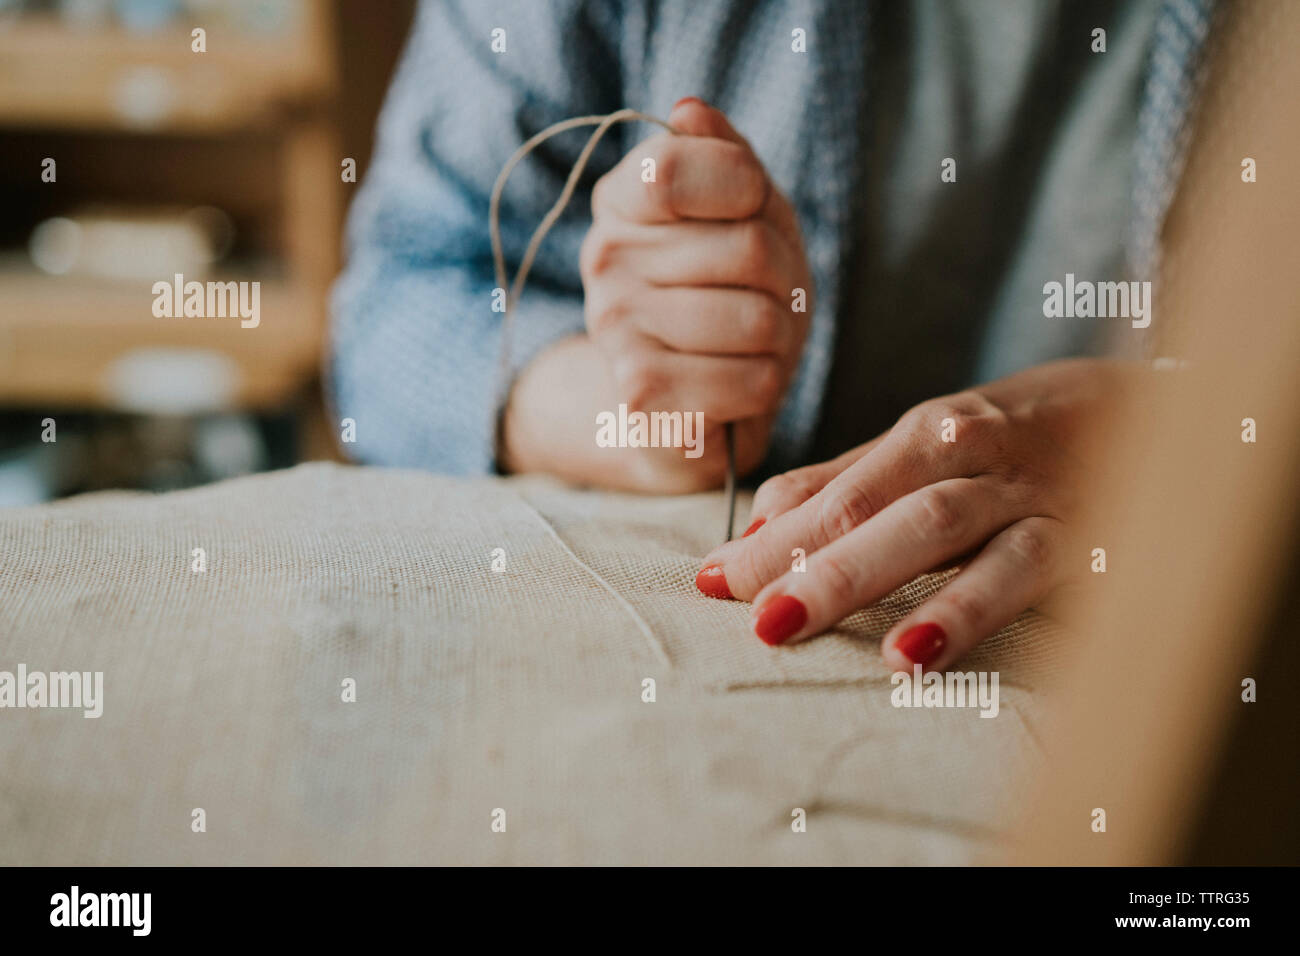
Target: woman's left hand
{"type": "Point", "coordinates": [986, 478]}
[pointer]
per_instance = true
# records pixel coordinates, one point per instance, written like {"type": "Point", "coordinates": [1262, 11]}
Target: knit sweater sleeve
{"type": "Point", "coordinates": [415, 337]}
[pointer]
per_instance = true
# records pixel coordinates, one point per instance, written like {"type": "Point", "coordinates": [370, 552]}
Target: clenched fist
{"type": "Point", "coordinates": [697, 299]}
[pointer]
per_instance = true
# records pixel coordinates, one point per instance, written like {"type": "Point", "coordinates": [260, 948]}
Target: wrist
{"type": "Point", "coordinates": [549, 422]}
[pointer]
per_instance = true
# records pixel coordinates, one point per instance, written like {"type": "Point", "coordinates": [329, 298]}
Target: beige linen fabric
{"type": "Point", "coordinates": [476, 690]}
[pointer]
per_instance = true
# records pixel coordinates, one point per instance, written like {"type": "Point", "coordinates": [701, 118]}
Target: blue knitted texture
{"type": "Point", "coordinates": [415, 338]}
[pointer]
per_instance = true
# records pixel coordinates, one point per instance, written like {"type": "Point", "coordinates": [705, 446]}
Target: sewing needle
{"type": "Point", "coordinates": [731, 479]}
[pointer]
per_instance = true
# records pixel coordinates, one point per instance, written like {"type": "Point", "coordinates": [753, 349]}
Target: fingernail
{"type": "Point", "coordinates": [779, 617]}
{"type": "Point", "coordinates": [688, 99]}
{"type": "Point", "coordinates": [921, 644]}
{"type": "Point", "coordinates": [754, 527]}
{"type": "Point", "coordinates": [713, 582]}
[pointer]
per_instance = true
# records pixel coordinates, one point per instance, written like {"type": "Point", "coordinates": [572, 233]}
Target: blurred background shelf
{"type": "Point", "coordinates": [123, 79]}
{"type": "Point", "coordinates": [56, 353]}
{"type": "Point", "coordinates": [146, 137]}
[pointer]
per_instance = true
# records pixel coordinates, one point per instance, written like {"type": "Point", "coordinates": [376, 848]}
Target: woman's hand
{"type": "Point", "coordinates": [689, 283]}
{"type": "Point", "coordinates": [986, 478]}
{"type": "Point", "coordinates": [690, 286]}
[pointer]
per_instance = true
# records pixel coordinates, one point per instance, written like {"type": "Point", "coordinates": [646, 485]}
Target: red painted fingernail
{"type": "Point", "coordinates": [921, 644]}
{"type": "Point", "coordinates": [713, 582]}
{"type": "Point", "coordinates": [779, 618]}
{"type": "Point", "coordinates": [688, 99]}
{"type": "Point", "coordinates": [754, 527]}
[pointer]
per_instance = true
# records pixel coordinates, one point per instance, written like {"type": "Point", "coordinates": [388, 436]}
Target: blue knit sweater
{"type": "Point", "coordinates": [415, 337]}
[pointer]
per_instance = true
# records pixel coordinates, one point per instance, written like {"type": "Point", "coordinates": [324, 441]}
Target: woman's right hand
{"type": "Point", "coordinates": [690, 284]}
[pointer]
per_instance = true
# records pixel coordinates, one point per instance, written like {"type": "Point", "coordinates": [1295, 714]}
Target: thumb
{"type": "Point", "coordinates": [694, 117]}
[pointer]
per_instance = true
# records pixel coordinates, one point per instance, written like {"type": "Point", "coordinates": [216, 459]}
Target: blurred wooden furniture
{"type": "Point", "coordinates": [246, 126]}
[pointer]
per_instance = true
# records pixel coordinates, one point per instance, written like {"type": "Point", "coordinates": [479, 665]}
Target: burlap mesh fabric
{"type": "Point", "coordinates": [476, 690]}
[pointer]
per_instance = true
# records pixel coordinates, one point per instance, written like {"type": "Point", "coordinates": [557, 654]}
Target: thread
{"type": "Point", "coordinates": [642, 624]}
{"type": "Point", "coordinates": [515, 287]}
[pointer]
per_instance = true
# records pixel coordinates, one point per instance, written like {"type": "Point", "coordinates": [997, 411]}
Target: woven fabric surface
{"type": "Point", "coordinates": [476, 690]}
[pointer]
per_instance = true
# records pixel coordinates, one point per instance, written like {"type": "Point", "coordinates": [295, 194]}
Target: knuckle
{"type": "Point", "coordinates": [968, 403]}
{"type": "Point", "coordinates": [965, 427]}
{"type": "Point", "coordinates": [917, 418]}
{"type": "Point", "coordinates": [666, 151]}
{"type": "Point", "coordinates": [1029, 545]}
{"type": "Point", "coordinates": [941, 513]}
{"type": "Point", "coordinates": [979, 419]}
{"type": "Point", "coordinates": [766, 384]}
{"type": "Point", "coordinates": [966, 606]}
{"type": "Point", "coordinates": [636, 380]}
{"type": "Point", "coordinates": [752, 185]}
{"type": "Point", "coordinates": [668, 160]}
{"type": "Point", "coordinates": [597, 254]}
{"type": "Point", "coordinates": [779, 487]}
{"type": "Point", "coordinates": [968, 414]}
{"type": "Point", "coordinates": [792, 485]}
{"type": "Point", "coordinates": [834, 576]}
{"type": "Point", "coordinates": [608, 314]}
{"type": "Point", "coordinates": [763, 323]}
{"type": "Point", "coordinates": [754, 246]}
{"type": "Point", "coordinates": [969, 427]}
{"type": "Point", "coordinates": [975, 403]}
{"type": "Point", "coordinates": [746, 573]}
{"type": "Point", "coordinates": [1017, 477]}
{"type": "Point", "coordinates": [846, 510]}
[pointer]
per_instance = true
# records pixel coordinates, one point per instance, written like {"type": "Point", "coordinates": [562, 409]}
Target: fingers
{"type": "Point", "coordinates": [706, 170]}
{"type": "Point", "coordinates": [751, 254]}
{"type": "Point", "coordinates": [907, 538]}
{"type": "Point", "coordinates": [710, 321]}
{"type": "Point", "coordinates": [694, 117]}
{"type": "Point", "coordinates": [723, 388]}
{"type": "Point", "coordinates": [690, 272]}
{"type": "Point", "coordinates": [1014, 571]}
{"type": "Point", "coordinates": [784, 492]}
{"type": "Point", "coordinates": [900, 464]}
{"type": "Point", "coordinates": [667, 178]}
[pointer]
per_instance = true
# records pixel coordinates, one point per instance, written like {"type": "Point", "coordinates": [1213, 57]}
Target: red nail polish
{"type": "Point", "coordinates": [754, 527]}
{"type": "Point", "coordinates": [713, 582]}
{"type": "Point", "coordinates": [688, 99]}
{"type": "Point", "coordinates": [921, 644]}
{"type": "Point", "coordinates": [779, 618]}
